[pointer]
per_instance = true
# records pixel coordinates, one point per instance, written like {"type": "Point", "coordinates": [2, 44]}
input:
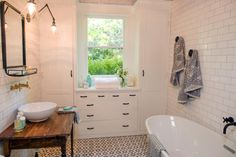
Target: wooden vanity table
{"type": "Point", "coordinates": [51, 133]}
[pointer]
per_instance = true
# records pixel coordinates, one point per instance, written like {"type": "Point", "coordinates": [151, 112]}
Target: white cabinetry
{"type": "Point", "coordinates": [112, 113]}
{"type": "Point", "coordinates": [153, 49]}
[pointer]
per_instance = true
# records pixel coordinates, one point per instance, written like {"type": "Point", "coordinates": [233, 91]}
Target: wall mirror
{"type": "Point", "coordinates": [13, 41]}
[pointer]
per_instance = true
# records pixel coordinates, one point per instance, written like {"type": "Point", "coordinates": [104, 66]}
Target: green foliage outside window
{"type": "Point", "coordinates": [104, 61]}
{"type": "Point", "coordinates": [105, 41]}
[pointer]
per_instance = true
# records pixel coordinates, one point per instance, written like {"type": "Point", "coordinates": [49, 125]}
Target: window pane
{"type": "Point", "coordinates": [104, 61]}
{"type": "Point", "coordinates": [105, 32]}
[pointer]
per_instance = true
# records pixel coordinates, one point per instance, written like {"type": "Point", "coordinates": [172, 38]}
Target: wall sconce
{"type": "Point", "coordinates": [31, 5]}
{"type": "Point", "coordinates": [32, 9]}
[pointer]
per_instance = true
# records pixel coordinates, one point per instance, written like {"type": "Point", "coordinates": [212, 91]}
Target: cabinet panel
{"type": "Point", "coordinates": [107, 113]}
{"type": "Point", "coordinates": [103, 127]}
{"type": "Point", "coordinates": [154, 53]}
{"type": "Point", "coordinates": [96, 115]}
{"type": "Point", "coordinates": [123, 96]}
{"type": "Point", "coordinates": [91, 97]}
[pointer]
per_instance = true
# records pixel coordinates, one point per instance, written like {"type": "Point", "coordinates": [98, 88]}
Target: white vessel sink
{"type": "Point", "coordinates": [38, 111]}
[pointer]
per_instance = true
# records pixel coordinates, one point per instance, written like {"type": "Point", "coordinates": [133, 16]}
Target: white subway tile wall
{"type": "Point", "coordinates": [210, 27]}
{"type": "Point", "coordinates": [11, 100]}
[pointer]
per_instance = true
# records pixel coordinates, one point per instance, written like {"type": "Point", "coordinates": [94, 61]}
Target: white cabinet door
{"type": "Point", "coordinates": [57, 83]}
{"type": "Point", "coordinates": [56, 54]}
{"type": "Point", "coordinates": [154, 47]}
{"type": "Point", "coordinates": [153, 50]}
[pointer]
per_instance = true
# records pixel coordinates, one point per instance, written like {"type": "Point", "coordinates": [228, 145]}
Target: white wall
{"type": "Point", "coordinates": [11, 100]}
{"type": "Point", "coordinates": [210, 27]}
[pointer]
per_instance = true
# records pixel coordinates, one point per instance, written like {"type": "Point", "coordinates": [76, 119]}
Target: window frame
{"type": "Point", "coordinates": [123, 48]}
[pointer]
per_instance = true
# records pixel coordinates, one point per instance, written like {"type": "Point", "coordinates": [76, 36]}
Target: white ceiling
{"type": "Point", "coordinates": [117, 2]}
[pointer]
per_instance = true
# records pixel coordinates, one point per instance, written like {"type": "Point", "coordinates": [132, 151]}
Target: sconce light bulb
{"type": "Point", "coordinates": [31, 7]}
{"type": "Point", "coordinates": [6, 25]}
{"type": "Point", "coordinates": [54, 27]}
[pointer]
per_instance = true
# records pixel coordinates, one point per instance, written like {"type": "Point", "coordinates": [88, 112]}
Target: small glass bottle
{"type": "Point", "coordinates": [89, 81]}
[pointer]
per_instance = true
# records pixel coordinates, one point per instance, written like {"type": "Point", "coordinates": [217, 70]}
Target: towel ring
{"type": "Point", "coordinates": [177, 39]}
{"type": "Point", "coordinates": [190, 53]}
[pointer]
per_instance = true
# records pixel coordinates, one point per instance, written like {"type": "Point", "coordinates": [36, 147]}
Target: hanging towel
{"type": "Point", "coordinates": [72, 109]}
{"type": "Point", "coordinates": [156, 149]}
{"type": "Point", "coordinates": [192, 82]}
{"type": "Point", "coordinates": [179, 61]}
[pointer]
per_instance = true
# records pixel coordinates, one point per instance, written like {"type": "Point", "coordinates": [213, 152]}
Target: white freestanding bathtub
{"type": "Point", "coordinates": [185, 138]}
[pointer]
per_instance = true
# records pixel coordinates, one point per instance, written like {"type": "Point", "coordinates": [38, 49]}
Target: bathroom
{"type": "Point", "coordinates": [112, 63]}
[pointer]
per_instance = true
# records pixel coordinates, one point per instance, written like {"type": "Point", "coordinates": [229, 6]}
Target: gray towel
{"type": "Point", "coordinates": [179, 62]}
{"type": "Point", "coordinates": [155, 147]}
{"type": "Point", "coordinates": [77, 117]}
{"type": "Point", "coordinates": [192, 83]}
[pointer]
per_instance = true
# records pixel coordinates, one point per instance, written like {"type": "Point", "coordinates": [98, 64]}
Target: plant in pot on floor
{"type": "Point", "coordinates": [123, 76]}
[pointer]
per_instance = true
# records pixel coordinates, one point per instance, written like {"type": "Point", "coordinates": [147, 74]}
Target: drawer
{"type": "Point", "coordinates": [110, 97]}
{"type": "Point", "coordinates": [90, 97]}
{"type": "Point", "coordinates": [128, 105]}
{"type": "Point", "coordinates": [127, 125]}
{"type": "Point", "coordinates": [123, 96]}
{"type": "Point", "coordinates": [105, 127]}
{"type": "Point", "coordinates": [128, 115]}
{"type": "Point", "coordinates": [96, 114]}
{"type": "Point", "coordinates": [108, 114]}
{"type": "Point", "coordinates": [85, 96]}
{"type": "Point", "coordinates": [92, 105]}
{"type": "Point", "coordinates": [115, 105]}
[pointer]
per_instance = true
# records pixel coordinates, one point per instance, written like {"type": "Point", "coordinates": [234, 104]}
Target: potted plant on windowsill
{"type": "Point", "coordinates": [123, 76]}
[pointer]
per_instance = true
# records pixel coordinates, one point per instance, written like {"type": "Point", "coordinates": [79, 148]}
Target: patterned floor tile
{"type": "Point", "coordinates": [125, 146]}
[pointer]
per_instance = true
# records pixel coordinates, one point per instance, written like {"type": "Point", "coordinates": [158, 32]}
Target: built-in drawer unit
{"type": "Point", "coordinates": [104, 113]}
{"type": "Point", "coordinates": [107, 127]}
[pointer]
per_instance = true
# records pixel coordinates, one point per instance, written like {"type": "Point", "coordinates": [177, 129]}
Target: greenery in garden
{"type": "Point", "coordinates": [104, 61]}
{"type": "Point", "coordinates": [105, 41]}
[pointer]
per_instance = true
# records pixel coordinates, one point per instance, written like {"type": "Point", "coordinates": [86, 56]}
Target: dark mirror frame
{"type": "Point", "coordinates": [3, 6]}
{"type": "Point", "coordinates": [18, 70]}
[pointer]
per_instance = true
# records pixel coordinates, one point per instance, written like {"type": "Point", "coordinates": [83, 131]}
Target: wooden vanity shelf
{"type": "Point", "coordinates": [53, 132]}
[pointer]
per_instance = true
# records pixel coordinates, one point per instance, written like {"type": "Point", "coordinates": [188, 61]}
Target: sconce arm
{"type": "Point", "coordinates": [6, 10]}
{"type": "Point", "coordinates": [10, 6]}
{"type": "Point", "coordinates": [46, 6]}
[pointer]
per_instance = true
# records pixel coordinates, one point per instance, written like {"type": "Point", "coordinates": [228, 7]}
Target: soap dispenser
{"type": "Point", "coordinates": [89, 80]}
{"type": "Point", "coordinates": [19, 123]}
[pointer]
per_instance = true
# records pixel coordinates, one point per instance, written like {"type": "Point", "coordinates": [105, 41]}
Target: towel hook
{"type": "Point", "coordinates": [190, 53]}
{"type": "Point", "coordinates": [177, 39]}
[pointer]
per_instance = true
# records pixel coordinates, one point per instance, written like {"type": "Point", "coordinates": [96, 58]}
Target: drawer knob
{"type": "Point", "coordinates": [92, 128]}
{"type": "Point", "coordinates": [90, 115]}
{"type": "Point", "coordinates": [125, 126]}
{"type": "Point", "coordinates": [84, 96]}
{"type": "Point", "coordinates": [125, 114]}
{"type": "Point", "coordinates": [101, 96]}
{"type": "Point", "coordinates": [132, 95]}
{"type": "Point", "coordinates": [125, 103]}
{"type": "Point", "coordinates": [89, 105]}
{"type": "Point", "coordinates": [115, 96]}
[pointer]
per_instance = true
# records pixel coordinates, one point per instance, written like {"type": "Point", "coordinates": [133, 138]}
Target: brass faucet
{"type": "Point", "coordinates": [19, 86]}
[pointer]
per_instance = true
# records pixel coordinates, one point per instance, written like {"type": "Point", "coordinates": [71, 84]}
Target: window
{"type": "Point", "coordinates": [105, 45]}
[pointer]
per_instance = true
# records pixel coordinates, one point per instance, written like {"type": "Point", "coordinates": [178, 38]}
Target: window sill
{"type": "Point", "coordinates": [93, 89]}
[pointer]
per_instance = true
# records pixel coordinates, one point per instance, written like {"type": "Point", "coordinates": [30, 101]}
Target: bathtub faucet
{"type": "Point", "coordinates": [230, 122]}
